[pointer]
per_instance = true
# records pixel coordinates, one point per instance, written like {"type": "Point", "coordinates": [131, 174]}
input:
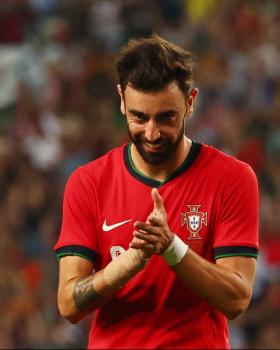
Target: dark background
{"type": "Point", "coordinates": [59, 109]}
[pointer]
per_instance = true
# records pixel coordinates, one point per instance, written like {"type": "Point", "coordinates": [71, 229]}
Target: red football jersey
{"type": "Point", "coordinates": [211, 202]}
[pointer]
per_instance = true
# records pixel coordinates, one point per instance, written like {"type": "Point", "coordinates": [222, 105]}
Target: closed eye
{"type": "Point", "coordinates": [138, 116]}
{"type": "Point", "coordinates": [166, 116]}
{"type": "Point", "coordinates": [162, 117]}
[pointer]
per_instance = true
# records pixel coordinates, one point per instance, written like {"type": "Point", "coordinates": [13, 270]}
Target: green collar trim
{"type": "Point", "coordinates": [192, 155]}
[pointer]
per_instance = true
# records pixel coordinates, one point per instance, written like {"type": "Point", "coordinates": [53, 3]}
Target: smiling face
{"type": "Point", "coordinates": [156, 120]}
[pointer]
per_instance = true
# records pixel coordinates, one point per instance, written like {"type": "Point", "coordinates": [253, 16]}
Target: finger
{"type": "Point", "coordinates": [145, 237]}
{"type": "Point", "coordinates": [154, 220]}
{"type": "Point", "coordinates": [141, 226]}
{"type": "Point", "coordinates": [158, 203]}
{"type": "Point", "coordinates": [137, 243]}
{"type": "Point", "coordinates": [135, 240]}
{"type": "Point", "coordinates": [137, 223]}
{"type": "Point", "coordinates": [147, 247]}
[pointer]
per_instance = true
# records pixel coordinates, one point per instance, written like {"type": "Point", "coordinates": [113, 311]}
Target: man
{"type": "Point", "coordinates": [158, 236]}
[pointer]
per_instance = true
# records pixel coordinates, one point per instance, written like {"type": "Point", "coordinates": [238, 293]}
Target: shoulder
{"type": "Point", "coordinates": [96, 174]}
{"type": "Point", "coordinates": [224, 165]}
{"type": "Point", "coordinates": [99, 169]}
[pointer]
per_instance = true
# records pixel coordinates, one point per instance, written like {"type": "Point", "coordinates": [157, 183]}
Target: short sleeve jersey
{"type": "Point", "coordinates": [211, 202]}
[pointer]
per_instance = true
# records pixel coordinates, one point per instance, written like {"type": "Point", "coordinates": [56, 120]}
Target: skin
{"type": "Point", "coordinates": [227, 284]}
{"type": "Point", "coordinates": [153, 117]}
{"type": "Point", "coordinates": [155, 122]}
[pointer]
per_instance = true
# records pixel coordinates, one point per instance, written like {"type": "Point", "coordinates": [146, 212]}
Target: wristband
{"type": "Point", "coordinates": [175, 252]}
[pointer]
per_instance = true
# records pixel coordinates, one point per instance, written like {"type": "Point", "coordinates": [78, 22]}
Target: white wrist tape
{"type": "Point", "coordinates": [175, 252]}
{"type": "Point", "coordinates": [123, 268]}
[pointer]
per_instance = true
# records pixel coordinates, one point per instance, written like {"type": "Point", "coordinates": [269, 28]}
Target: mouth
{"type": "Point", "coordinates": [153, 146]}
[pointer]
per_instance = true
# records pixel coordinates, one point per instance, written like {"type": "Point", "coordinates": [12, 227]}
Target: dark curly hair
{"type": "Point", "coordinates": [149, 64]}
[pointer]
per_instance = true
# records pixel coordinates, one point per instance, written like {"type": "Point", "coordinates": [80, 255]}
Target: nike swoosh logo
{"type": "Point", "coordinates": [106, 227]}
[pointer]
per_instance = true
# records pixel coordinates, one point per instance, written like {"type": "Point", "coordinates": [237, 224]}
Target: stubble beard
{"type": "Point", "coordinates": [160, 157]}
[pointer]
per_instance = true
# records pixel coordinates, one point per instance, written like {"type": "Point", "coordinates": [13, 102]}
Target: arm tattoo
{"type": "Point", "coordinates": [85, 296]}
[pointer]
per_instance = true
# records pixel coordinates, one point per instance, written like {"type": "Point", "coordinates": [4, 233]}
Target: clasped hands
{"type": "Point", "coordinates": [153, 236]}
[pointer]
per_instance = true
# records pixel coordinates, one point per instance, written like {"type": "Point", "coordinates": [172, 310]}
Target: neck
{"type": "Point", "coordinates": [163, 171]}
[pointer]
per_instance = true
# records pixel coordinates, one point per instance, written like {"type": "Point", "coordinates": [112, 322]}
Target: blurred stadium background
{"type": "Point", "coordinates": [59, 109]}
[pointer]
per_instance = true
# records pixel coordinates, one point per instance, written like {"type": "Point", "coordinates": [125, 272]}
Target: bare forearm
{"type": "Point", "coordinates": [79, 296]}
{"type": "Point", "coordinates": [82, 295]}
{"type": "Point", "coordinates": [227, 285]}
{"type": "Point", "coordinates": [221, 287]}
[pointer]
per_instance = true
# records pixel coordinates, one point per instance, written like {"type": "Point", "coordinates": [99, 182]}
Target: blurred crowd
{"type": "Point", "coordinates": [59, 109]}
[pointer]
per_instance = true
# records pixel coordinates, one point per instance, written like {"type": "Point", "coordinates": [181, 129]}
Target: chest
{"type": "Point", "coordinates": [191, 208]}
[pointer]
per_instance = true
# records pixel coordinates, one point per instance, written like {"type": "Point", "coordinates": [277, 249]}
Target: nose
{"type": "Point", "coordinates": [152, 132]}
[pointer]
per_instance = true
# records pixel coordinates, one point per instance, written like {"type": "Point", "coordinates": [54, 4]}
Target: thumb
{"type": "Point", "coordinates": [158, 203]}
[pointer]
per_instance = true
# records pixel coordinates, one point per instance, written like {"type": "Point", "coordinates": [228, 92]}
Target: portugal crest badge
{"type": "Point", "coordinates": [194, 219]}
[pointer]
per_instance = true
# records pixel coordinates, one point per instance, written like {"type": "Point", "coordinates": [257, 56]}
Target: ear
{"type": "Point", "coordinates": [122, 108]}
{"type": "Point", "coordinates": [190, 99]}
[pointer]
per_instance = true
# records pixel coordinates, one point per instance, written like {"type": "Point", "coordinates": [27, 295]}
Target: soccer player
{"type": "Point", "coordinates": [159, 236]}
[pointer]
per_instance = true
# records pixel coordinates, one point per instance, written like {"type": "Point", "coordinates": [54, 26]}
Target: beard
{"type": "Point", "coordinates": [167, 147]}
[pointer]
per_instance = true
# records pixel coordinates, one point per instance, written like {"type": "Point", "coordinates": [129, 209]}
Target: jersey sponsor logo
{"type": "Point", "coordinates": [194, 219]}
{"type": "Point", "coordinates": [116, 250]}
{"type": "Point", "coordinates": [106, 227]}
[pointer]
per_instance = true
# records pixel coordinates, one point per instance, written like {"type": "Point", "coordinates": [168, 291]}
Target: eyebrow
{"type": "Point", "coordinates": [142, 114]}
{"type": "Point", "coordinates": [137, 113]}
